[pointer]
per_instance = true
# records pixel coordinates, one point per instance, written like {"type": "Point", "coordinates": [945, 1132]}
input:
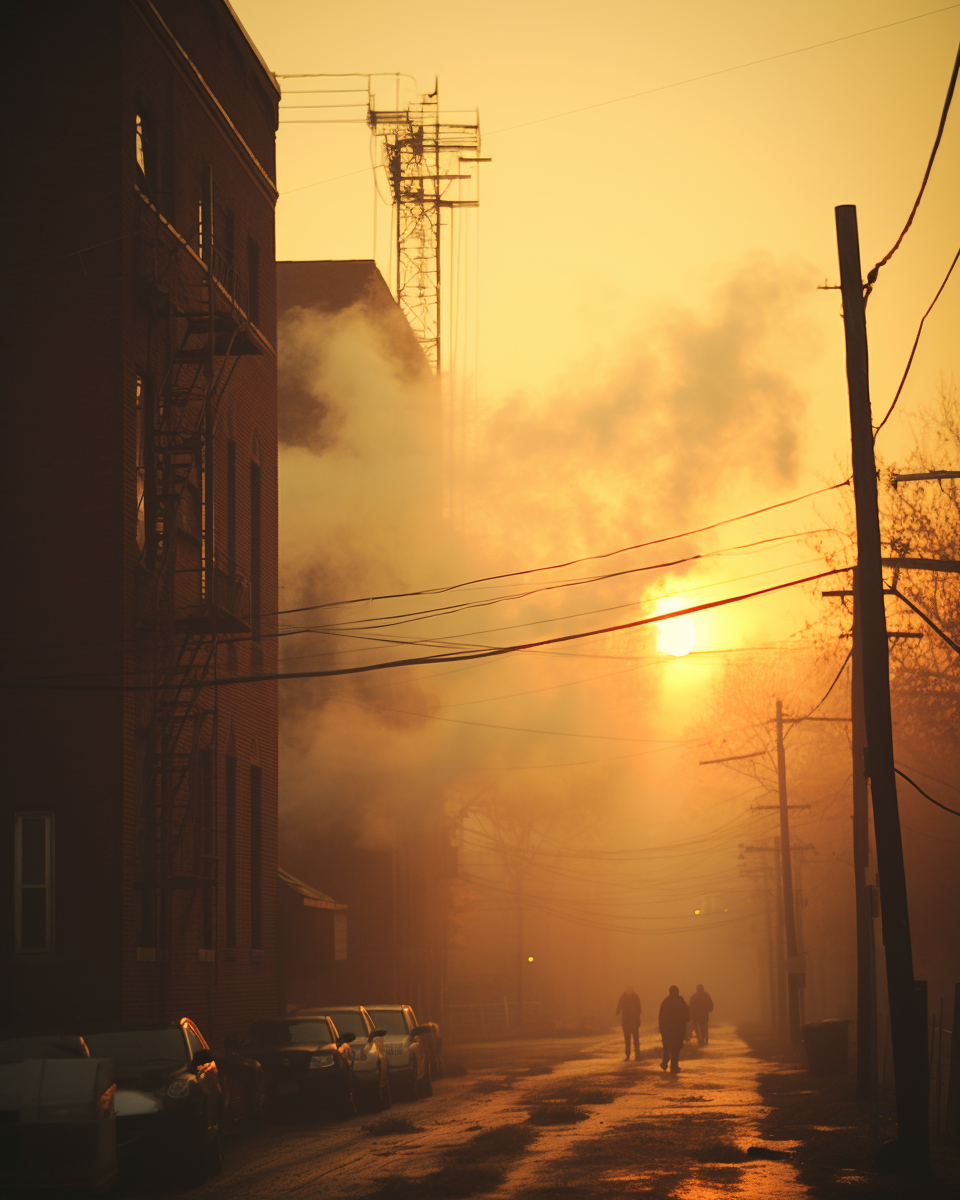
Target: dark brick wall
{"type": "Point", "coordinates": [81, 322]}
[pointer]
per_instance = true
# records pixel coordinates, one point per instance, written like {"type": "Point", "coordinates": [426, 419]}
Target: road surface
{"type": "Point", "coordinates": [537, 1119]}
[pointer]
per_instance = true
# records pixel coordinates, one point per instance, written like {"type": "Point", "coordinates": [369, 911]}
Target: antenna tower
{"type": "Point", "coordinates": [423, 156]}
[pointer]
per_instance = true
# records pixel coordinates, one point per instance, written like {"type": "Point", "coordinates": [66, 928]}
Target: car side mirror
{"type": "Point", "coordinates": [418, 1029]}
{"type": "Point", "coordinates": [345, 1038]}
{"type": "Point", "coordinates": [375, 1033]}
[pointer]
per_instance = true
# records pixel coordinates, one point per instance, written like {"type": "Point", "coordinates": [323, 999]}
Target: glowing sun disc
{"type": "Point", "coordinates": [677, 637]}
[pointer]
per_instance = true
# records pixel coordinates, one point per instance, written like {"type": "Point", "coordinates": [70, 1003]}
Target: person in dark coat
{"type": "Point", "coordinates": [674, 1016]}
{"type": "Point", "coordinates": [628, 1010]}
{"type": "Point", "coordinates": [701, 1006]}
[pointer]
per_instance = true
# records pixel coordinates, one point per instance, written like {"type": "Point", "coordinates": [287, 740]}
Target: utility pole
{"type": "Point", "coordinates": [795, 974]}
{"type": "Point", "coordinates": [908, 1034]}
{"type": "Point", "coordinates": [866, 974]}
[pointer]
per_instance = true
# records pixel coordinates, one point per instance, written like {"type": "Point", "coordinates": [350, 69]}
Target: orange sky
{"type": "Point", "coordinates": [653, 355]}
{"type": "Point", "coordinates": [592, 224]}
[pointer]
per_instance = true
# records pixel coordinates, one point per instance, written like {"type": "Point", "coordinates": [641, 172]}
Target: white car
{"type": "Point", "coordinates": [63, 1128]}
{"type": "Point", "coordinates": [408, 1061]}
{"type": "Point", "coordinates": [371, 1082]}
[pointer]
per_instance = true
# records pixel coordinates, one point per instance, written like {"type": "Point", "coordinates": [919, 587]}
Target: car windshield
{"type": "Point", "coordinates": [390, 1019]}
{"type": "Point", "coordinates": [17, 1049]}
{"type": "Point", "coordinates": [347, 1021]}
{"type": "Point", "coordinates": [287, 1033]}
{"type": "Point", "coordinates": [140, 1048]}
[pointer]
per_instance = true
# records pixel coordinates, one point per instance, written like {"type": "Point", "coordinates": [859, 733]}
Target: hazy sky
{"type": "Point", "coordinates": [653, 354]}
{"type": "Point", "coordinates": [593, 224]}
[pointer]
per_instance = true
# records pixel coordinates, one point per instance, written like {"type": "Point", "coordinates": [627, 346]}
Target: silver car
{"type": "Point", "coordinates": [371, 1082]}
{"type": "Point", "coordinates": [407, 1056]}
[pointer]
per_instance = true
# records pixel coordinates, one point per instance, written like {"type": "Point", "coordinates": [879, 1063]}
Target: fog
{"type": "Point", "coordinates": [588, 848]}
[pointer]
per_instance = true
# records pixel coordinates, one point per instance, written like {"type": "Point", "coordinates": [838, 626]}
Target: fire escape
{"type": "Point", "coordinates": [194, 596]}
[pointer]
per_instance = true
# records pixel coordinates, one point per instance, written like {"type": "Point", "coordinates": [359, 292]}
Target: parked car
{"type": "Point", "coordinates": [406, 1044]}
{"type": "Point", "coordinates": [167, 1099]}
{"type": "Point", "coordinates": [371, 1080]}
{"type": "Point", "coordinates": [305, 1060]}
{"type": "Point", "coordinates": [57, 1123]}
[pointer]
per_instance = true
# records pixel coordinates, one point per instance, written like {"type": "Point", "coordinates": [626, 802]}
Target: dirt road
{"type": "Point", "coordinates": [543, 1118]}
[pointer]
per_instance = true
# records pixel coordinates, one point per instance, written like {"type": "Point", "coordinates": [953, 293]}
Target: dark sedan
{"type": "Point", "coordinates": [304, 1061]}
{"type": "Point", "coordinates": [167, 1099]}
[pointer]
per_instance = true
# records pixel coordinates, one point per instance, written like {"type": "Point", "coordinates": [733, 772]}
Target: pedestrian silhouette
{"type": "Point", "coordinates": [628, 1010]}
{"type": "Point", "coordinates": [674, 1016]}
{"type": "Point", "coordinates": [701, 1006]}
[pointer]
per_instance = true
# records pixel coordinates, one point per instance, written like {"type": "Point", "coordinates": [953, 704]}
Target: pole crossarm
{"type": "Point", "coordinates": [922, 564]}
{"type": "Point", "coordinates": [706, 762]}
{"type": "Point", "coordinates": [923, 476]}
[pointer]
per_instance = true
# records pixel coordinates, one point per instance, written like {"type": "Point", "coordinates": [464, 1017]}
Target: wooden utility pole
{"type": "Point", "coordinates": [866, 979]}
{"type": "Point", "coordinates": [795, 973]}
{"type": "Point", "coordinates": [908, 1034]}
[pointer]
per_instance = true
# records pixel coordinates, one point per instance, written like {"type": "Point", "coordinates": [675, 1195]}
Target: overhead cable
{"type": "Point", "coordinates": [923, 617]}
{"type": "Point", "coordinates": [916, 343]}
{"type": "Point", "coordinates": [673, 537]}
{"type": "Point", "coordinates": [421, 660]}
{"type": "Point", "coordinates": [875, 271]}
{"type": "Point", "coordinates": [926, 795]}
{"type": "Point", "coordinates": [722, 71]}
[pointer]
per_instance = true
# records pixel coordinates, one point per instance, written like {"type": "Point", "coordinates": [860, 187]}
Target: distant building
{"type": "Point", "coordinates": [392, 871]}
{"type": "Point", "coordinates": [139, 815]}
{"type": "Point", "coordinates": [312, 943]}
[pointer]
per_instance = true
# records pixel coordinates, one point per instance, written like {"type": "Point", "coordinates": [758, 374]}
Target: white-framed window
{"type": "Point", "coordinates": [33, 882]}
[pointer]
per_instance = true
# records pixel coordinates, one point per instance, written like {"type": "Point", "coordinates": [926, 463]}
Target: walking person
{"type": "Point", "coordinates": [628, 1010]}
{"type": "Point", "coordinates": [674, 1015]}
{"type": "Point", "coordinates": [701, 1006]}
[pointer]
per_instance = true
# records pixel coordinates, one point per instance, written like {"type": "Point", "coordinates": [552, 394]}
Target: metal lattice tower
{"type": "Point", "coordinates": [423, 157]}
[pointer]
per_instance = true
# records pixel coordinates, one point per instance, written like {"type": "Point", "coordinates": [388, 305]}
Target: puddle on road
{"type": "Point", "coordinates": [649, 1134]}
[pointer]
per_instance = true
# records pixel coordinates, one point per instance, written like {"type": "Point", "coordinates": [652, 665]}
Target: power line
{"type": "Point", "coordinates": [561, 566]}
{"type": "Point", "coordinates": [923, 617]}
{"type": "Point", "coordinates": [723, 71]}
{"type": "Point", "coordinates": [926, 795]}
{"type": "Point", "coordinates": [916, 342]}
{"type": "Point", "coordinates": [488, 652]}
{"type": "Point", "coordinates": [875, 271]}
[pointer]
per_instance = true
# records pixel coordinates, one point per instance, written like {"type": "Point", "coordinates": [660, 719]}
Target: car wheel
{"type": "Point", "coordinates": [386, 1100]}
{"type": "Point", "coordinates": [424, 1086]}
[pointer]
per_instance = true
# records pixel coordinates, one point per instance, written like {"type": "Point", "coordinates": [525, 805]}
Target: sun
{"type": "Point", "coordinates": [677, 637]}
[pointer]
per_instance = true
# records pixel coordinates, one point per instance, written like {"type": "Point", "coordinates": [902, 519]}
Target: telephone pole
{"type": "Point", "coordinates": [908, 1033]}
{"type": "Point", "coordinates": [866, 969]}
{"type": "Point", "coordinates": [795, 973]}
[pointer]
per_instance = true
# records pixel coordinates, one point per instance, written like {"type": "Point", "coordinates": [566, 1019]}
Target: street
{"type": "Point", "coordinates": [564, 1117]}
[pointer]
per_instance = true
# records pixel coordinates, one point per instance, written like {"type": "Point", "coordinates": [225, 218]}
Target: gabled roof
{"type": "Point", "coordinates": [310, 896]}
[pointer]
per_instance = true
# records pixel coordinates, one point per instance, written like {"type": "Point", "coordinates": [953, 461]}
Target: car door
{"type": "Point", "coordinates": [416, 1045]}
{"type": "Point", "coordinates": [375, 1046]}
{"type": "Point", "coordinates": [206, 1072]}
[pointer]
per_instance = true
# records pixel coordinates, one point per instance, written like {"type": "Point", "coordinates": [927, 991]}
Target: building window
{"type": "Point", "coordinates": [33, 882]}
{"type": "Point", "coordinates": [231, 848]}
{"type": "Point", "coordinates": [253, 281]}
{"type": "Point", "coordinates": [141, 465]}
{"type": "Point", "coordinates": [255, 549]}
{"type": "Point", "coordinates": [256, 858]}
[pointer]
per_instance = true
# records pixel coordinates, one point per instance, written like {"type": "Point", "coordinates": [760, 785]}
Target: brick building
{"type": "Point", "coordinates": [139, 818]}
